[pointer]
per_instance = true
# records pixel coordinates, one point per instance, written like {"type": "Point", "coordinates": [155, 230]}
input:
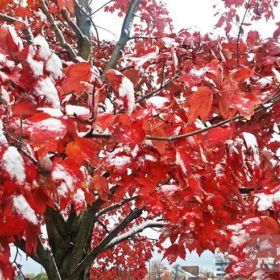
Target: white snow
{"type": "Point", "coordinates": [199, 72]}
{"type": "Point", "coordinates": [136, 229]}
{"type": "Point", "coordinates": [44, 49]}
{"type": "Point", "coordinates": [46, 88]}
{"type": "Point", "coordinates": [277, 74]}
{"type": "Point", "coordinates": [169, 188]}
{"type": "Point", "coordinates": [17, 40]}
{"type": "Point", "coordinates": [126, 90]}
{"type": "Point", "coordinates": [5, 95]}
{"type": "Point", "coordinates": [51, 111]}
{"type": "Point", "coordinates": [22, 207]}
{"type": "Point", "coordinates": [36, 66]}
{"type": "Point", "coordinates": [251, 221]}
{"type": "Point", "coordinates": [61, 174]}
{"type": "Point", "coordinates": [266, 201]}
{"type": "Point", "coordinates": [119, 161]}
{"type": "Point", "coordinates": [13, 163]}
{"type": "Point", "coordinates": [79, 196]}
{"type": "Point", "coordinates": [252, 144]}
{"type": "Point", "coordinates": [139, 61]}
{"type": "Point", "coordinates": [76, 110]}
{"type": "Point", "coordinates": [265, 81]}
{"type": "Point", "coordinates": [54, 66]}
{"type": "Point", "coordinates": [180, 162]}
{"type": "Point", "coordinates": [158, 101]}
{"type": "Point", "coordinates": [50, 124]}
{"type": "Point", "coordinates": [3, 139]}
{"type": "Point", "coordinates": [169, 42]}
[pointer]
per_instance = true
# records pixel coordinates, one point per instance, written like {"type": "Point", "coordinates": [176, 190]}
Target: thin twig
{"type": "Point", "coordinates": [240, 32]}
{"type": "Point", "coordinates": [103, 6]}
{"type": "Point", "coordinates": [264, 106]}
{"type": "Point", "coordinates": [157, 90]}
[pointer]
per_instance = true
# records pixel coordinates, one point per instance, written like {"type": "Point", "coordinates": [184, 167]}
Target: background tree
{"type": "Point", "coordinates": [101, 140]}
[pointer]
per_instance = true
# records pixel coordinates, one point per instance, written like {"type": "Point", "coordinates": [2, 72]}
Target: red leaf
{"type": "Point", "coordinates": [200, 104]}
{"type": "Point", "coordinates": [83, 150]}
{"type": "Point", "coordinates": [75, 75]}
{"type": "Point", "coordinates": [66, 4]}
{"type": "Point", "coordinates": [101, 185]}
{"type": "Point", "coordinates": [218, 135]}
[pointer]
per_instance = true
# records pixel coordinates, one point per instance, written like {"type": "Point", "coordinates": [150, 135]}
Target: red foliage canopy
{"type": "Point", "coordinates": [183, 133]}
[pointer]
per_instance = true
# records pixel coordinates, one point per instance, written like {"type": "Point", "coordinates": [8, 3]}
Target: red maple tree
{"type": "Point", "coordinates": [101, 140]}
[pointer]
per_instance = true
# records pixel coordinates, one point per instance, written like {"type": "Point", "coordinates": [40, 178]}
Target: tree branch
{"type": "Point", "coordinates": [100, 247]}
{"type": "Point", "coordinates": [240, 32]}
{"type": "Point", "coordinates": [264, 106]}
{"type": "Point", "coordinates": [117, 205]}
{"type": "Point", "coordinates": [103, 6]}
{"type": "Point", "coordinates": [125, 35]}
{"type": "Point", "coordinates": [134, 231]}
{"type": "Point", "coordinates": [57, 31]}
{"type": "Point", "coordinates": [9, 19]}
{"type": "Point", "coordinates": [157, 90]}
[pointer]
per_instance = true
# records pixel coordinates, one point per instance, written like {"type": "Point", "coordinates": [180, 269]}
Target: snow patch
{"type": "Point", "coordinates": [158, 101]}
{"type": "Point", "coordinates": [44, 49]}
{"type": "Point", "coordinates": [3, 139]}
{"type": "Point", "coordinates": [50, 124]}
{"type": "Point", "coordinates": [126, 90]}
{"type": "Point", "coordinates": [76, 110]}
{"type": "Point", "coordinates": [252, 144]}
{"type": "Point", "coordinates": [54, 66]}
{"type": "Point", "coordinates": [169, 188]}
{"type": "Point", "coordinates": [266, 201]}
{"type": "Point", "coordinates": [119, 161]}
{"type": "Point", "coordinates": [22, 207]}
{"type": "Point", "coordinates": [180, 162]}
{"type": "Point", "coordinates": [13, 163]}
{"type": "Point", "coordinates": [16, 39]}
{"type": "Point", "coordinates": [36, 66]}
{"type": "Point", "coordinates": [46, 88]}
{"type": "Point", "coordinates": [51, 111]}
{"type": "Point", "coordinates": [61, 174]}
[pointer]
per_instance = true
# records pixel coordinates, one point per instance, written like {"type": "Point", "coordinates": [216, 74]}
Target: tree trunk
{"type": "Point", "coordinates": [83, 12]}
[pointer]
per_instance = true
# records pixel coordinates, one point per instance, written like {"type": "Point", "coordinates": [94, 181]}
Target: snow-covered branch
{"type": "Point", "coordinates": [135, 230]}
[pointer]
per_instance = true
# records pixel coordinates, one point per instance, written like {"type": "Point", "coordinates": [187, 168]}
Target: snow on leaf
{"type": "Point", "coordinates": [252, 144]}
{"type": "Point", "coordinates": [36, 66]}
{"type": "Point", "coordinates": [126, 91]}
{"type": "Point", "coordinates": [51, 125]}
{"type": "Point", "coordinates": [45, 88]}
{"type": "Point", "coordinates": [54, 66]}
{"type": "Point", "coordinates": [76, 110]}
{"type": "Point", "coordinates": [158, 101]}
{"type": "Point", "coordinates": [79, 200]}
{"type": "Point", "coordinates": [124, 87]}
{"type": "Point", "coordinates": [277, 74]}
{"type": "Point", "coordinates": [180, 161]}
{"type": "Point", "coordinates": [60, 173]}
{"type": "Point", "coordinates": [3, 139]}
{"type": "Point", "coordinates": [13, 163]}
{"type": "Point", "coordinates": [22, 207]}
{"type": "Point", "coordinates": [44, 49]}
{"type": "Point", "coordinates": [15, 39]}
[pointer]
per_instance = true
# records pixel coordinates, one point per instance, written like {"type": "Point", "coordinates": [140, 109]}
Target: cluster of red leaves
{"type": "Point", "coordinates": [54, 112]}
